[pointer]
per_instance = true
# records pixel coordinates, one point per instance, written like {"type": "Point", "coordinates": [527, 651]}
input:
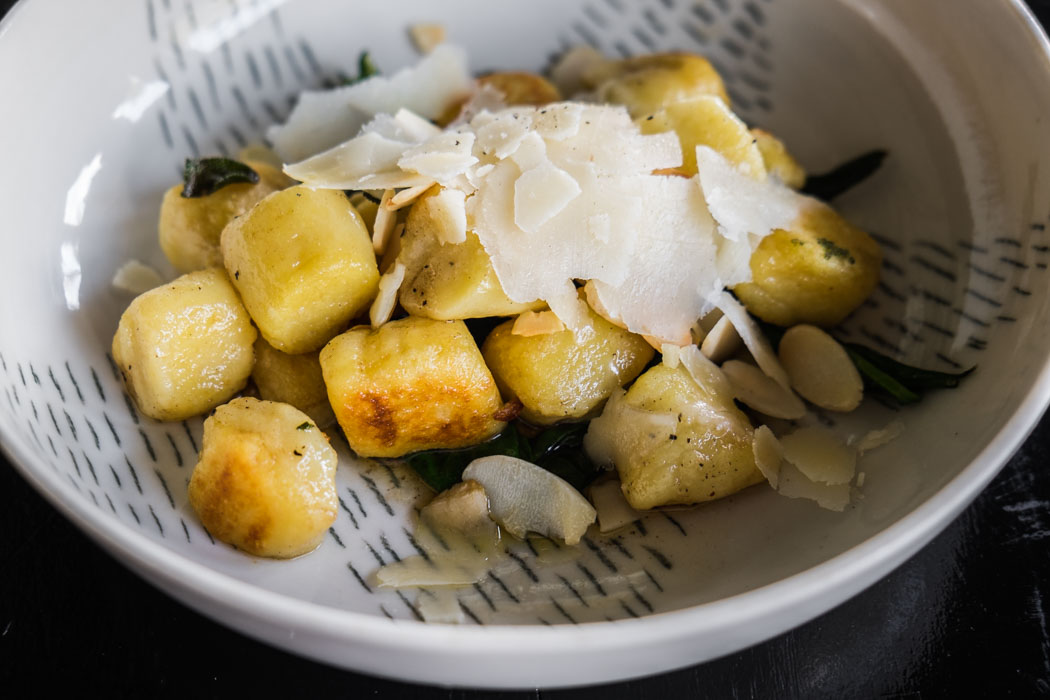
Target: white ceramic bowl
{"type": "Point", "coordinates": [101, 106]}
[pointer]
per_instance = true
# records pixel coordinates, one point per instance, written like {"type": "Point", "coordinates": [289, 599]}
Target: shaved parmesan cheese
{"type": "Point", "coordinates": [820, 455]}
{"type": "Point", "coordinates": [537, 323]}
{"type": "Point", "coordinates": [794, 484]}
{"type": "Point", "coordinates": [753, 338]}
{"type": "Point", "coordinates": [427, 36]}
{"type": "Point", "coordinates": [136, 277]}
{"type": "Point", "coordinates": [769, 454]}
{"type": "Point", "coordinates": [540, 194]}
{"type": "Point", "coordinates": [448, 212]}
{"type": "Point", "coordinates": [322, 119]}
{"type": "Point", "coordinates": [367, 162]}
{"type": "Point", "coordinates": [385, 301]}
{"type": "Point", "coordinates": [878, 438]}
{"type": "Point", "coordinates": [740, 203]}
{"type": "Point", "coordinates": [613, 509]}
{"type": "Point", "coordinates": [441, 607]}
{"type": "Point", "coordinates": [441, 157]}
{"type": "Point", "coordinates": [721, 342]}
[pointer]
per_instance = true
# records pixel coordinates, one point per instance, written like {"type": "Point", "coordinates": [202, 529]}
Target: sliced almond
{"type": "Point", "coordinates": [721, 342]}
{"type": "Point", "coordinates": [537, 323]}
{"type": "Point", "coordinates": [820, 455]}
{"type": "Point", "coordinates": [427, 36]}
{"type": "Point", "coordinates": [754, 388]}
{"type": "Point", "coordinates": [386, 220]}
{"type": "Point", "coordinates": [820, 369]}
{"type": "Point", "coordinates": [753, 338]}
{"type": "Point", "coordinates": [136, 277]}
{"type": "Point", "coordinates": [769, 454]}
{"type": "Point", "coordinates": [406, 196]}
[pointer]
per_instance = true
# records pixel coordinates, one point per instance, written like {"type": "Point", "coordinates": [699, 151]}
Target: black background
{"type": "Point", "coordinates": [963, 618]}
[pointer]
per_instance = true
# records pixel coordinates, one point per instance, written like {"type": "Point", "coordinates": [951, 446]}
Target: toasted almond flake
{"type": "Point", "coordinates": [386, 220]}
{"type": "Point", "coordinates": [136, 277]}
{"type": "Point", "coordinates": [769, 454]}
{"type": "Point", "coordinates": [753, 338]}
{"type": "Point", "coordinates": [614, 512]}
{"type": "Point", "coordinates": [385, 301]}
{"type": "Point", "coordinates": [721, 342]}
{"type": "Point", "coordinates": [753, 387]}
{"type": "Point", "coordinates": [427, 36]}
{"type": "Point", "coordinates": [820, 369]}
{"type": "Point", "coordinates": [794, 484]}
{"type": "Point", "coordinates": [672, 172]}
{"type": "Point", "coordinates": [407, 196]}
{"type": "Point", "coordinates": [532, 323]}
{"type": "Point", "coordinates": [820, 455]}
{"type": "Point", "coordinates": [705, 373]}
{"type": "Point", "coordinates": [878, 438]}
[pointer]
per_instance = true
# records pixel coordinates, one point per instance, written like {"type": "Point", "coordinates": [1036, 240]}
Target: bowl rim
{"type": "Point", "coordinates": [789, 601]}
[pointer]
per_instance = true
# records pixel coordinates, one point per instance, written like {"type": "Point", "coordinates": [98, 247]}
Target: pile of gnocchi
{"type": "Point", "coordinates": [344, 291]}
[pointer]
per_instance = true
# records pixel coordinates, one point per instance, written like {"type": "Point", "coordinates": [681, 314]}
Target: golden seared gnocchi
{"type": "Point", "coordinates": [185, 347]}
{"type": "Point", "coordinates": [412, 384]}
{"type": "Point", "coordinates": [564, 374]}
{"type": "Point", "coordinates": [303, 262]}
{"type": "Point", "coordinates": [816, 272]}
{"type": "Point", "coordinates": [647, 84]}
{"type": "Point", "coordinates": [292, 379]}
{"type": "Point", "coordinates": [778, 161]}
{"type": "Point", "coordinates": [190, 227]}
{"type": "Point", "coordinates": [265, 479]}
{"type": "Point", "coordinates": [674, 440]}
{"type": "Point", "coordinates": [520, 88]}
{"type": "Point", "coordinates": [448, 280]}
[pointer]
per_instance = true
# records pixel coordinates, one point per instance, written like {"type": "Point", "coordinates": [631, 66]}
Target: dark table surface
{"type": "Point", "coordinates": [963, 618]}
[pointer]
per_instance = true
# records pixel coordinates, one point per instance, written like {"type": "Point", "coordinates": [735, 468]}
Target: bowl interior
{"type": "Point", "coordinates": [960, 207]}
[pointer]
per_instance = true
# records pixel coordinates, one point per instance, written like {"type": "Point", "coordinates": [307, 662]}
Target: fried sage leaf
{"type": "Point", "coordinates": [204, 176]}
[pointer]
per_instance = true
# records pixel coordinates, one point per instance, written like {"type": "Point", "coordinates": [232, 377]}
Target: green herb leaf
{"type": "Point", "coordinates": [304, 426]}
{"type": "Point", "coordinates": [366, 68]}
{"type": "Point", "coordinates": [914, 378]}
{"type": "Point", "coordinates": [831, 184]}
{"type": "Point", "coordinates": [875, 378]}
{"type": "Point", "coordinates": [571, 465]}
{"type": "Point", "coordinates": [204, 176]}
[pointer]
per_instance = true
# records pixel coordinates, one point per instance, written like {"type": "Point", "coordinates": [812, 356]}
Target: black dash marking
{"type": "Point", "coordinates": [981, 297]}
{"type": "Point", "coordinates": [164, 484]}
{"type": "Point", "coordinates": [91, 467]}
{"type": "Point", "coordinates": [592, 578]}
{"type": "Point", "coordinates": [484, 596]}
{"type": "Point", "coordinates": [931, 267]}
{"type": "Point", "coordinates": [937, 329]}
{"type": "Point", "coordinates": [469, 612]}
{"type": "Point", "coordinates": [180, 60]}
{"type": "Point", "coordinates": [35, 436]}
{"type": "Point", "coordinates": [189, 435]}
{"type": "Point", "coordinates": [596, 17]}
{"type": "Point", "coordinates": [532, 547]}
{"type": "Point", "coordinates": [134, 514]}
{"type": "Point", "coordinates": [949, 360]}
{"type": "Point", "coordinates": [54, 421]}
{"type": "Point", "coordinates": [1038, 227]}
{"type": "Point", "coordinates": [94, 435]}
{"type": "Point", "coordinates": [1008, 319]}
{"type": "Point", "coordinates": [503, 586]}
{"type": "Point", "coordinates": [568, 584]}
{"type": "Point", "coordinates": [271, 60]}
{"type": "Point", "coordinates": [658, 556]}
{"type": "Point", "coordinates": [385, 612]}
{"type": "Point", "coordinates": [76, 386]}
{"type": "Point", "coordinates": [191, 142]}
{"type": "Point", "coordinates": [51, 444]}
{"type": "Point", "coordinates": [151, 20]}
{"type": "Point", "coordinates": [674, 522]}
{"type": "Point", "coordinates": [893, 267]}
{"type": "Point", "coordinates": [379, 496]}
{"type": "Point", "coordinates": [606, 561]}
{"type": "Point", "coordinates": [615, 542]}
{"type": "Point", "coordinates": [238, 136]}
{"type": "Point", "coordinates": [198, 112]}
{"type": "Point", "coordinates": [353, 494]}
{"type": "Point", "coordinates": [654, 23]}
{"type": "Point", "coordinates": [94, 498]}
{"type": "Point", "coordinates": [131, 409]}
{"type": "Point", "coordinates": [331, 531]}
{"type": "Point", "coordinates": [1022, 292]}
{"type": "Point", "coordinates": [22, 375]}
{"type": "Point", "coordinates": [390, 550]}
{"type": "Point", "coordinates": [311, 60]}
{"type": "Point", "coordinates": [185, 530]}
{"type": "Point", "coordinates": [409, 605]}
{"type": "Point", "coordinates": [1019, 264]}
{"type": "Point", "coordinates": [61, 394]}
{"type": "Point", "coordinates": [393, 475]}
{"type": "Point", "coordinates": [360, 579]}
{"type": "Point", "coordinates": [69, 422]}
{"type": "Point", "coordinates": [157, 520]}
{"type": "Point", "coordinates": [75, 484]}
{"type": "Point", "coordinates": [694, 33]}
{"type": "Point", "coordinates": [33, 374]}
{"type": "Point", "coordinates": [75, 465]}
{"type": "Point", "coordinates": [353, 520]}
{"type": "Point", "coordinates": [149, 445]}
{"type": "Point", "coordinates": [743, 29]}
{"type": "Point", "coordinates": [213, 89]}
{"type": "Point", "coordinates": [134, 474]}
{"type": "Point", "coordinates": [110, 502]}
{"type": "Point", "coordinates": [644, 39]}
{"type": "Point", "coordinates": [702, 13]}
{"type": "Point", "coordinates": [116, 477]}
{"type": "Point", "coordinates": [930, 296]}
{"type": "Point", "coordinates": [524, 567]}
{"type": "Point", "coordinates": [1012, 242]}
{"type": "Point", "coordinates": [969, 245]}
{"type": "Point", "coordinates": [641, 600]}
{"type": "Point", "coordinates": [542, 621]}
{"type": "Point", "coordinates": [1040, 265]}
{"type": "Point", "coordinates": [113, 430]}
{"type": "Point", "coordinates": [242, 104]}
{"type": "Point", "coordinates": [293, 63]}
{"type": "Point", "coordinates": [653, 580]}
{"type": "Point", "coordinates": [587, 35]}
{"type": "Point", "coordinates": [627, 609]}
{"type": "Point", "coordinates": [375, 554]}
{"type": "Point", "coordinates": [562, 611]}
{"type": "Point", "coordinates": [165, 130]}
{"type": "Point", "coordinates": [891, 292]}
{"type": "Point", "coordinates": [937, 248]}
{"type": "Point", "coordinates": [175, 449]}
{"type": "Point", "coordinates": [986, 273]}
{"type": "Point", "coordinates": [972, 319]}
{"type": "Point", "coordinates": [885, 242]}
{"type": "Point", "coordinates": [641, 527]}
{"type": "Point", "coordinates": [415, 545]}
{"type": "Point", "coordinates": [253, 69]}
